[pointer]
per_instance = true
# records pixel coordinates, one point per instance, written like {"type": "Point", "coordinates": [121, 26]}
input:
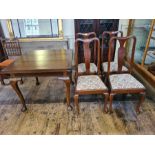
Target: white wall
{"type": "Point", "coordinates": [69, 31]}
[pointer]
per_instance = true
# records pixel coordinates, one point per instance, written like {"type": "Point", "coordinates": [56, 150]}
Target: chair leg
{"type": "Point", "coordinates": [111, 100]}
{"type": "Point", "coordinates": [106, 80]}
{"type": "Point", "coordinates": [140, 102]}
{"type": "Point", "coordinates": [106, 102]}
{"type": "Point", "coordinates": [37, 81]}
{"type": "Point", "coordinates": [76, 102]}
{"type": "Point", "coordinates": [75, 77]}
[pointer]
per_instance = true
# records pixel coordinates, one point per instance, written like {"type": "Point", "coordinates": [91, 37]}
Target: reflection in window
{"type": "Point", "coordinates": [31, 27]}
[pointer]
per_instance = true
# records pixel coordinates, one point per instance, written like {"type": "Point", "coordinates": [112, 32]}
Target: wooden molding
{"type": "Point", "coordinates": [149, 77]}
{"type": "Point", "coordinates": [148, 42]}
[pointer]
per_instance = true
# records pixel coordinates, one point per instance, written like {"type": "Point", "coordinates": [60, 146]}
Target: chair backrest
{"type": "Point", "coordinates": [12, 47]}
{"type": "Point", "coordinates": [3, 55]}
{"type": "Point", "coordinates": [106, 35]}
{"type": "Point", "coordinates": [85, 35]}
{"type": "Point", "coordinates": [121, 52]}
{"type": "Point", "coordinates": [88, 35]}
{"type": "Point", "coordinates": [87, 52]}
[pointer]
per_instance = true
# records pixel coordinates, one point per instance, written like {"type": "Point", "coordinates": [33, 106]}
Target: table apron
{"type": "Point", "coordinates": [65, 73]}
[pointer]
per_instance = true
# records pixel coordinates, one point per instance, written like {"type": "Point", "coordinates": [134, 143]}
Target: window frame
{"type": "Point", "coordinates": [37, 37]}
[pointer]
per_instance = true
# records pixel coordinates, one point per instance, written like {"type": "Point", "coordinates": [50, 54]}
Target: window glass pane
{"type": "Point", "coordinates": [55, 27]}
{"type": "Point", "coordinates": [22, 28]}
{"type": "Point", "coordinates": [31, 27]}
{"type": "Point", "coordinates": [15, 28]}
{"type": "Point", "coordinates": [44, 27]}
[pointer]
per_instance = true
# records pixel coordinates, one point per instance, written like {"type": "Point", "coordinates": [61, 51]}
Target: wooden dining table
{"type": "Point", "coordinates": [41, 63]}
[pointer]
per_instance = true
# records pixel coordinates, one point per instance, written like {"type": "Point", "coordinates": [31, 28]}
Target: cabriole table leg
{"type": "Point", "coordinates": [14, 84]}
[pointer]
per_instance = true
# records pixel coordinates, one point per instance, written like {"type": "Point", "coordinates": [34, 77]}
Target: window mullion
{"type": "Point", "coordinates": [51, 27]}
{"type": "Point", "coordinates": [19, 28]}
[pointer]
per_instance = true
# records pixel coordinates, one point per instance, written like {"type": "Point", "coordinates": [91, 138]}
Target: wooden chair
{"type": "Point", "coordinates": [4, 64]}
{"type": "Point", "coordinates": [105, 45]}
{"type": "Point", "coordinates": [85, 35]}
{"type": "Point", "coordinates": [80, 67]}
{"type": "Point", "coordinates": [12, 47]}
{"type": "Point", "coordinates": [86, 83]}
{"type": "Point", "coordinates": [13, 50]}
{"type": "Point", "coordinates": [124, 83]}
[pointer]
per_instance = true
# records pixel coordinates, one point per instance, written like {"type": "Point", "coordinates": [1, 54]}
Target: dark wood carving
{"type": "Point", "coordinates": [98, 26]}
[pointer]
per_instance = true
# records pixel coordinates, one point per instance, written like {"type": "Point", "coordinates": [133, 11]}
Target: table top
{"type": "Point", "coordinates": [39, 61]}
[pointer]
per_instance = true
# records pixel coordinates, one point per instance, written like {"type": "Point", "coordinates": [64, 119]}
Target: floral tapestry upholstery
{"type": "Point", "coordinates": [113, 67]}
{"type": "Point", "coordinates": [90, 82]}
{"type": "Point", "coordinates": [125, 81]}
{"type": "Point", "coordinates": [82, 68]}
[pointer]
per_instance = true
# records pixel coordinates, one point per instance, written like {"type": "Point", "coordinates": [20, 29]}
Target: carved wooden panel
{"type": "Point", "coordinates": [98, 26]}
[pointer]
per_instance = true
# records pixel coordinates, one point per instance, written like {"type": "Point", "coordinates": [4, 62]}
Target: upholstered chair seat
{"type": "Point", "coordinates": [82, 68]}
{"type": "Point", "coordinates": [90, 83]}
{"type": "Point", "coordinates": [124, 81]}
{"type": "Point", "coordinates": [113, 67]}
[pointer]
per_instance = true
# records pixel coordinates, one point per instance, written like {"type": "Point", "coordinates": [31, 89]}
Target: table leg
{"type": "Point", "coordinates": [14, 85]}
{"type": "Point", "coordinates": [37, 81]}
{"type": "Point", "coordinates": [67, 82]}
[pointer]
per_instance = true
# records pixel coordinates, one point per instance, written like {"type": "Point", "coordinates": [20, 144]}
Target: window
{"type": "Point", "coordinates": [35, 28]}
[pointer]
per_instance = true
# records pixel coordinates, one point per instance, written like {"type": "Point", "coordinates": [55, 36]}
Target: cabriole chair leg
{"type": "Point", "coordinates": [140, 102]}
{"type": "Point", "coordinates": [76, 102]}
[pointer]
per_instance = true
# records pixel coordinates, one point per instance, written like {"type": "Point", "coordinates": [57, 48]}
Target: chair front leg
{"type": "Point", "coordinates": [111, 100]}
{"type": "Point", "coordinates": [142, 98]}
{"type": "Point", "coordinates": [76, 102]}
{"type": "Point", "coordinates": [106, 95]}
